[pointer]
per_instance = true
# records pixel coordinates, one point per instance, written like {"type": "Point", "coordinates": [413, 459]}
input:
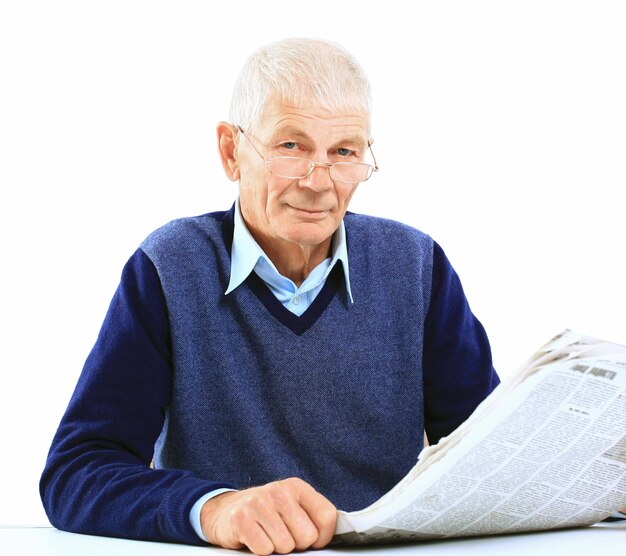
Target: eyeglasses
{"type": "Point", "coordinates": [297, 168]}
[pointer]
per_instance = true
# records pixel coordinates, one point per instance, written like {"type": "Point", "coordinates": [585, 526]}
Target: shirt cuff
{"type": "Point", "coordinates": [194, 514]}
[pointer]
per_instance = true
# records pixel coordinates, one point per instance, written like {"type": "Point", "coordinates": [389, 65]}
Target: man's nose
{"type": "Point", "coordinates": [318, 179]}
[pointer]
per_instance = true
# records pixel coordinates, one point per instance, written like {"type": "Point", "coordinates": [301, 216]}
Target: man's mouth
{"type": "Point", "coordinates": [310, 211]}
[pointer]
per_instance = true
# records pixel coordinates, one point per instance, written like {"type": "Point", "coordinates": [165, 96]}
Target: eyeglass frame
{"type": "Point", "coordinates": [314, 163]}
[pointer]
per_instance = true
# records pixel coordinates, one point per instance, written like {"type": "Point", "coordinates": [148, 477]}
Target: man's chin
{"type": "Point", "coordinates": [308, 233]}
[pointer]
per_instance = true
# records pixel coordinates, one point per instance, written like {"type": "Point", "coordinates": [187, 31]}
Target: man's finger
{"type": "Point", "coordinates": [255, 538]}
{"type": "Point", "coordinates": [277, 531]}
{"type": "Point", "coordinates": [322, 512]}
{"type": "Point", "coordinates": [300, 524]}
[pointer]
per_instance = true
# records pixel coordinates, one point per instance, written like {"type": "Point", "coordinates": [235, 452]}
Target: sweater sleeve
{"type": "Point", "coordinates": [97, 478]}
{"type": "Point", "coordinates": [458, 369]}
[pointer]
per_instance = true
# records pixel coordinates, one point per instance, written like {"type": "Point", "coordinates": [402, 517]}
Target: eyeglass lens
{"type": "Point", "coordinates": [298, 168]}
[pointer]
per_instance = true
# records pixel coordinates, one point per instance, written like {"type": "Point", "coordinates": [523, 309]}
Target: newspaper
{"type": "Point", "coordinates": [546, 450]}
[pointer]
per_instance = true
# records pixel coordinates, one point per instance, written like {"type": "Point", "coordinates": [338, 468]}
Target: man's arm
{"type": "Point", "coordinates": [458, 369]}
{"type": "Point", "coordinates": [97, 478]}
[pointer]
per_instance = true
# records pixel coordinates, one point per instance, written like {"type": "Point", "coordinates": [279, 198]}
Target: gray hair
{"type": "Point", "coordinates": [299, 71]}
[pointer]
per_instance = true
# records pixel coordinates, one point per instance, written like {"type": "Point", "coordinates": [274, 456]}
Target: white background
{"type": "Point", "coordinates": [500, 130]}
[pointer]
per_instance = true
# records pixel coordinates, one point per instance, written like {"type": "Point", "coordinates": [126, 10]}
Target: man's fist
{"type": "Point", "coordinates": [277, 517]}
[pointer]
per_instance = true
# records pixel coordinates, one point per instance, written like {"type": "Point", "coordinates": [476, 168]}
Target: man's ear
{"type": "Point", "coordinates": [227, 146]}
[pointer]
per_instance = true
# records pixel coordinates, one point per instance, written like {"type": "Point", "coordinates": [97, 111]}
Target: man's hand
{"type": "Point", "coordinates": [277, 517]}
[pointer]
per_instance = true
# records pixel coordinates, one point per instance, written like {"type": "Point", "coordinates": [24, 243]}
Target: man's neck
{"type": "Point", "coordinates": [292, 260]}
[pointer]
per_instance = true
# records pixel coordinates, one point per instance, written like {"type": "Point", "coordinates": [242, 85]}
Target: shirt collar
{"type": "Point", "coordinates": [246, 253]}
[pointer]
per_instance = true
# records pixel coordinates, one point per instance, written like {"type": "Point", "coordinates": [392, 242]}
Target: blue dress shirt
{"type": "Point", "coordinates": [247, 256]}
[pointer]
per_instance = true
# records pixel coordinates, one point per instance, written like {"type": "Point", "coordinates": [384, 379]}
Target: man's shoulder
{"type": "Point", "coordinates": [385, 255]}
{"type": "Point", "coordinates": [375, 227]}
{"type": "Point", "coordinates": [185, 231]}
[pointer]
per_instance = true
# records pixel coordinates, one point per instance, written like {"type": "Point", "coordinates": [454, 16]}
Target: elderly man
{"type": "Point", "coordinates": [278, 360]}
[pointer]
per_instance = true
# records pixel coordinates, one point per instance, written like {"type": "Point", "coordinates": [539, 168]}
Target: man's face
{"type": "Point", "coordinates": [304, 211]}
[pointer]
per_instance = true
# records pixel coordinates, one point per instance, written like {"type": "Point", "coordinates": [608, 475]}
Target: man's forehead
{"type": "Point", "coordinates": [284, 117]}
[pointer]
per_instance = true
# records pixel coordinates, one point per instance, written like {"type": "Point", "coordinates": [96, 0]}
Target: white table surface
{"type": "Point", "coordinates": [601, 539]}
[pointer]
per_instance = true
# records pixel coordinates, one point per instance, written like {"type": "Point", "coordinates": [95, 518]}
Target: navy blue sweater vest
{"type": "Point", "coordinates": [337, 402]}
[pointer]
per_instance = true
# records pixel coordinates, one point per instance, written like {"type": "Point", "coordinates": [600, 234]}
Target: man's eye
{"type": "Point", "coordinates": [289, 145]}
{"type": "Point", "coordinates": [344, 152]}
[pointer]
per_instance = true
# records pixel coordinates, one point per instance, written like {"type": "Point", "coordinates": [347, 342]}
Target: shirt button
{"type": "Point", "coordinates": [296, 300]}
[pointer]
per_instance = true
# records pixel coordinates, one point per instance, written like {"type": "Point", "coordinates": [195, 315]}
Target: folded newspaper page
{"type": "Point", "coordinates": [546, 450]}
